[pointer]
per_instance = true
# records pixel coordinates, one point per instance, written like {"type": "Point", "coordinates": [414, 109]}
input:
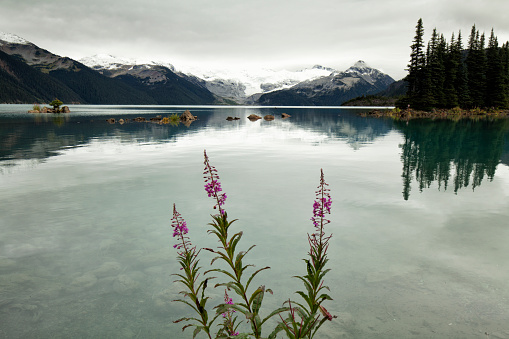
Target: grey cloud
{"type": "Point", "coordinates": [267, 32]}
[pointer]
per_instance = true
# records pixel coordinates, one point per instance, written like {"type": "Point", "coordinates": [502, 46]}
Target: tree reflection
{"type": "Point", "coordinates": [434, 150]}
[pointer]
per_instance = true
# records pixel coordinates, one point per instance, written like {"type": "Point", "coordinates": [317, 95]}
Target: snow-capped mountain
{"type": "Point", "coordinates": [236, 84]}
{"type": "Point", "coordinates": [334, 89]}
{"type": "Point", "coordinates": [258, 80]}
{"type": "Point", "coordinates": [7, 38]}
{"type": "Point", "coordinates": [109, 62]}
{"type": "Point", "coordinates": [371, 75]}
{"type": "Point", "coordinates": [32, 74]}
{"type": "Point", "coordinates": [32, 54]}
{"type": "Point", "coordinates": [109, 79]}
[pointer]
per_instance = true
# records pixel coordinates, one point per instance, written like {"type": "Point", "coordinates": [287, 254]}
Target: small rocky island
{"type": "Point", "coordinates": [56, 108]}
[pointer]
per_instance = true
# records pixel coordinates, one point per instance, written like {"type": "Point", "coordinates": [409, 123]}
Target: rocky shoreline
{"type": "Point", "coordinates": [442, 114]}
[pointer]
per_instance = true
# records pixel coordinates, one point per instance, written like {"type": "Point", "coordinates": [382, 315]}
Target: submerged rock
{"type": "Point", "coordinates": [268, 117]}
{"type": "Point", "coordinates": [232, 118]}
{"type": "Point", "coordinates": [87, 280]}
{"type": "Point", "coordinates": [107, 269]}
{"type": "Point", "coordinates": [125, 284]}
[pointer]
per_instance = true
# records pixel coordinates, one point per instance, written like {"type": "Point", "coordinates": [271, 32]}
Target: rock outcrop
{"type": "Point", "coordinates": [254, 117]}
{"type": "Point", "coordinates": [187, 117]}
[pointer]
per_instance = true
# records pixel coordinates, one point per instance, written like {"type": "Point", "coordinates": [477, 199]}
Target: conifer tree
{"type": "Point", "coordinates": [461, 84]}
{"type": "Point", "coordinates": [476, 68]}
{"type": "Point", "coordinates": [451, 63]}
{"type": "Point", "coordinates": [495, 92]}
{"type": "Point", "coordinates": [447, 76]}
{"type": "Point", "coordinates": [416, 68]}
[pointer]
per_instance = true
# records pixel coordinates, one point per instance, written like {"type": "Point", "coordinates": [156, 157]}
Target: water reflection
{"type": "Point", "coordinates": [85, 247]}
{"type": "Point", "coordinates": [40, 136]}
{"type": "Point", "coordinates": [466, 151]}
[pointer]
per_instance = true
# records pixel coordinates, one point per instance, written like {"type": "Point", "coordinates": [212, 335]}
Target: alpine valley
{"type": "Point", "coordinates": [31, 74]}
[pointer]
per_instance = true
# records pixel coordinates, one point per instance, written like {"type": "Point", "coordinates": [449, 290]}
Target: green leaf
{"type": "Point", "coordinates": [258, 323]}
{"type": "Point", "coordinates": [254, 274]}
{"type": "Point", "coordinates": [318, 326]}
{"type": "Point", "coordinates": [179, 320]}
{"type": "Point", "coordinates": [197, 330]}
{"type": "Point", "coordinates": [323, 297]}
{"type": "Point", "coordinates": [257, 298]}
{"type": "Point", "coordinates": [305, 297]}
{"type": "Point", "coordinates": [275, 312]}
{"type": "Point", "coordinates": [279, 328]}
{"type": "Point", "coordinates": [221, 271]}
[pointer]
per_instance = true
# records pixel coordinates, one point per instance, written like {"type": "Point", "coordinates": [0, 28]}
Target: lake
{"type": "Point", "coordinates": [419, 218]}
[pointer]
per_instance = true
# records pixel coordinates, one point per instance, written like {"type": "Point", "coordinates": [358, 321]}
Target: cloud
{"type": "Point", "coordinates": [335, 33]}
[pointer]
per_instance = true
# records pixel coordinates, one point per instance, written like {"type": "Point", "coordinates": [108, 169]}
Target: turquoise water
{"type": "Point", "coordinates": [419, 218]}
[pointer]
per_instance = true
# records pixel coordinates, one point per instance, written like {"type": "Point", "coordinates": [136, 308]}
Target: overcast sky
{"type": "Point", "coordinates": [248, 33]}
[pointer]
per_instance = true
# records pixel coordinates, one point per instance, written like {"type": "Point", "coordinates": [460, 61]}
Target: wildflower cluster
{"type": "Point", "coordinates": [213, 186]}
{"type": "Point", "coordinates": [322, 204]}
{"type": "Point", "coordinates": [229, 327]}
{"type": "Point", "coordinates": [179, 230]}
{"type": "Point", "coordinates": [188, 260]}
{"type": "Point", "coordinates": [309, 311]}
{"type": "Point", "coordinates": [303, 319]}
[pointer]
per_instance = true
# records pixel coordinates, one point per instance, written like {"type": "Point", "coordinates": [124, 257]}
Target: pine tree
{"type": "Point", "coordinates": [451, 62]}
{"type": "Point", "coordinates": [476, 68]}
{"type": "Point", "coordinates": [461, 84]}
{"type": "Point", "coordinates": [504, 56]}
{"type": "Point", "coordinates": [495, 92]}
{"type": "Point", "coordinates": [416, 68]}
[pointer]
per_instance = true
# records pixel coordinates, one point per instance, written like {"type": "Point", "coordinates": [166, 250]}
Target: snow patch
{"type": "Point", "coordinates": [111, 62]}
{"type": "Point", "coordinates": [13, 39]}
{"type": "Point", "coordinates": [259, 80]}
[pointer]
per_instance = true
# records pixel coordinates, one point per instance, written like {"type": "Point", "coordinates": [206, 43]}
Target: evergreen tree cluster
{"type": "Point", "coordinates": [445, 75]}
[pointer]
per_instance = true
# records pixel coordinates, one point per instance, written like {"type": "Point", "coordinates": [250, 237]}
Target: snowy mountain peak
{"type": "Point", "coordinates": [359, 67]}
{"type": "Point", "coordinates": [12, 39]}
{"type": "Point", "coordinates": [110, 62]}
{"type": "Point", "coordinates": [361, 64]}
{"type": "Point", "coordinates": [324, 68]}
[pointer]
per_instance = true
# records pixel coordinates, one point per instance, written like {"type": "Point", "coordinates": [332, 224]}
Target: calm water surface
{"type": "Point", "coordinates": [419, 218]}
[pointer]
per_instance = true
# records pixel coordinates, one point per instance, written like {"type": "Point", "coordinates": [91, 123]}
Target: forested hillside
{"type": "Point", "coordinates": [21, 83]}
{"type": "Point", "coordinates": [445, 74]}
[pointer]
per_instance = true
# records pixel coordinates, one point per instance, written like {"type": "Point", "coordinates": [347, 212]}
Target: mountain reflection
{"type": "Point", "coordinates": [42, 136]}
{"type": "Point", "coordinates": [466, 151]}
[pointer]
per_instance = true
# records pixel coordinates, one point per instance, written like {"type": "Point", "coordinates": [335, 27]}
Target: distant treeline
{"type": "Point", "coordinates": [445, 75]}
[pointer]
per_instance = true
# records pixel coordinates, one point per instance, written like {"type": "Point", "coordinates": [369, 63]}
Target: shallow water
{"type": "Point", "coordinates": [419, 218]}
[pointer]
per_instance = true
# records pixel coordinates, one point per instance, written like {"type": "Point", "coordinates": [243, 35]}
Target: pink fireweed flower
{"type": "Point", "coordinates": [228, 322]}
{"type": "Point", "coordinates": [179, 231]}
{"type": "Point", "coordinates": [212, 184]}
{"type": "Point", "coordinates": [322, 205]}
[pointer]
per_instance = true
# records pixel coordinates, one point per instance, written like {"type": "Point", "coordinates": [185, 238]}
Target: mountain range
{"type": "Point", "coordinates": [31, 74]}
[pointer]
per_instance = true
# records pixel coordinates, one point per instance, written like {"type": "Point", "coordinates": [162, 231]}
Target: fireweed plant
{"type": "Point", "coordinates": [303, 319]}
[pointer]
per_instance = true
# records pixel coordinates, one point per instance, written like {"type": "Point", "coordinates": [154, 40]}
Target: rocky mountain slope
{"type": "Point", "coordinates": [233, 84]}
{"type": "Point", "coordinates": [73, 81]}
{"type": "Point", "coordinates": [29, 73]}
{"type": "Point", "coordinates": [332, 90]}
